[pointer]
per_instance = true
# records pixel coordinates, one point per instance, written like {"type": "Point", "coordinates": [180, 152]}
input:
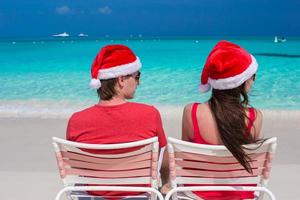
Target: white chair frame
{"type": "Point", "coordinates": [149, 148]}
{"type": "Point", "coordinates": [264, 154]}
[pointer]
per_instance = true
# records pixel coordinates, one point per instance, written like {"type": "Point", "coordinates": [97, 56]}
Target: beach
{"type": "Point", "coordinates": [51, 52]}
{"type": "Point", "coordinates": [28, 168]}
{"type": "Point", "coordinates": [55, 74]}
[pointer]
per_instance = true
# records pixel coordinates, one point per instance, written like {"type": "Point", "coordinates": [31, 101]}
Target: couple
{"type": "Point", "coordinates": [225, 119]}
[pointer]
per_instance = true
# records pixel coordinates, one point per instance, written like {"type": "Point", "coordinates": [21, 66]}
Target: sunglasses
{"type": "Point", "coordinates": [253, 77]}
{"type": "Point", "coordinates": [136, 76]}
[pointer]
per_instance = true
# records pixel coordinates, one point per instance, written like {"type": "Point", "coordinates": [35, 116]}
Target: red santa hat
{"type": "Point", "coordinates": [227, 66]}
{"type": "Point", "coordinates": [111, 62]}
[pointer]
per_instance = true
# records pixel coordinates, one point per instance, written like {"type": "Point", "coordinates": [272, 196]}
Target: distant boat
{"type": "Point", "coordinates": [282, 39]}
{"type": "Point", "coordinates": [64, 34]}
{"type": "Point", "coordinates": [82, 35]}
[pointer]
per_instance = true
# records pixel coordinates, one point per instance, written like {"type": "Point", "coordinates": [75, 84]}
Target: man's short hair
{"type": "Point", "coordinates": [107, 90]}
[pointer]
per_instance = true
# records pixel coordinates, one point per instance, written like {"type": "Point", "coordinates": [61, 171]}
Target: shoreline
{"type": "Point", "coordinates": [64, 112]}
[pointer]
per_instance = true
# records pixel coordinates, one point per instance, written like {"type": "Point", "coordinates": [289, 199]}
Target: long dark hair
{"type": "Point", "coordinates": [228, 108]}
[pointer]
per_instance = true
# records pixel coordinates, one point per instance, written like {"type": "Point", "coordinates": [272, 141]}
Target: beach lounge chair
{"type": "Point", "coordinates": [193, 164]}
{"type": "Point", "coordinates": [82, 169]}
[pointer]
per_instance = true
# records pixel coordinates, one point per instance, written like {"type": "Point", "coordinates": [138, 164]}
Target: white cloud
{"type": "Point", "coordinates": [63, 10]}
{"type": "Point", "coordinates": [104, 10]}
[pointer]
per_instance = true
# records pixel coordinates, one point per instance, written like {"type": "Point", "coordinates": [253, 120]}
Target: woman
{"type": "Point", "coordinates": [226, 118]}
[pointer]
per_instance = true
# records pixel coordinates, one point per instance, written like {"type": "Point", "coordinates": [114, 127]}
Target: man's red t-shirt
{"type": "Point", "coordinates": [126, 122]}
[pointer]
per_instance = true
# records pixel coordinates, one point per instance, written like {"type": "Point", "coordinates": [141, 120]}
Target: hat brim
{"type": "Point", "coordinates": [120, 70]}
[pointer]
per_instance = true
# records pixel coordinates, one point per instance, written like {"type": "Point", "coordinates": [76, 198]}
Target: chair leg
{"type": "Point", "coordinates": [59, 195]}
{"type": "Point", "coordinates": [260, 196]}
{"type": "Point", "coordinates": [153, 197]}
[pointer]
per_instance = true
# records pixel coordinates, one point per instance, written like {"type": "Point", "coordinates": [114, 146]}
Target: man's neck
{"type": "Point", "coordinates": [112, 102]}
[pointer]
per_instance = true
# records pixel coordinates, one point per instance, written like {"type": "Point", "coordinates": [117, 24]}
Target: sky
{"type": "Point", "coordinates": [122, 18]}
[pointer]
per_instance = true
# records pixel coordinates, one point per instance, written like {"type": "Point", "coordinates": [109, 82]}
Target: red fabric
{"type": "Point", "coordinates": [197, 137]}
{"type": "Point", "coordinates": [224, 61]}
{"type": "Point", "coordinates": [111, 56]}
{"type": "Point", "coordinates": [127, 122]}
{"type": "Point", "coordinates": [220, 195]}
{"type": "Point", "coordinates": [224, 195]}
{"type": "Point", "coordinates": [251, 118]}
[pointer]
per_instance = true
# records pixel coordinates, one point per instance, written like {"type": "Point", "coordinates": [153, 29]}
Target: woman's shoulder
{"type": "Point", "coordinates": [258, 117]}
{"type": "Point", "coordinates": [200, 107]}
{"type": "Point", "coordinates": [257, 113]}
{"type": "Point", "coordinates": [188, 107]}
{"type": "Point", "coordinates": [256, 130]}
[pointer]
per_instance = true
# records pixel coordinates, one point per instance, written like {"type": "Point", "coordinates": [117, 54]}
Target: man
{"type": "Point", "coordinates": [115, 75]}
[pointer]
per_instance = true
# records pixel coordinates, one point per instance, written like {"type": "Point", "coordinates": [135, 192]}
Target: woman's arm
{"type": "Point", "coordinates": [257, 125]}
{"type": "Point", "coordinates": [186, 123]}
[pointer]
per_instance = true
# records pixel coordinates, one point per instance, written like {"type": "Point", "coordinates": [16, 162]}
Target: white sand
{"type": "Point", "coordinates": [28, 167]}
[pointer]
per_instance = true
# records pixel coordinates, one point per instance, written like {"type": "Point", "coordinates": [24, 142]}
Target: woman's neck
{"type": "Point", "coordinates": [112, 102]}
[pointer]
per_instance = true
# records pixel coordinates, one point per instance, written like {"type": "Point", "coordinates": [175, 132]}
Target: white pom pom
{"type": "Point", "coordinates": [95, 84]}
{"type": "Point", "coordinates": [204, 88]}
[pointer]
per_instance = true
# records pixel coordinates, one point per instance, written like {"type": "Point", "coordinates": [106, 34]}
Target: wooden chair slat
{"type": "Point", "coordinates": [107, 160]}
{"type": "Point", "coordinates": [215, 158]}
{"type": "Point", "coordinates": [108, 166]}
{"type": "Point", "coordinates": [216, 166]}
{"type": "Point", "coordinates": [73, 179]}
{"type": "Point", "coordinates": [107, 174]}
{"type": "Point", "coordinates": [217, 174]}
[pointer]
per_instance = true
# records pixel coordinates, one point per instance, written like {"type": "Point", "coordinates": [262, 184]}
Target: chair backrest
{"type": "Point", "coordinates": [192, 163]}
{"type": "Point", "coordinates": [82, 164]}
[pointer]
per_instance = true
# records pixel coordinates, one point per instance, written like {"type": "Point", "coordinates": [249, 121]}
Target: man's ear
{"type": "Point", "coordinates": [121, 81]}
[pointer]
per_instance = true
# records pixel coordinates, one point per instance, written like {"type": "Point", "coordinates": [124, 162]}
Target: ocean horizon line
{"type": "Point", "coordinates": [136, 37]}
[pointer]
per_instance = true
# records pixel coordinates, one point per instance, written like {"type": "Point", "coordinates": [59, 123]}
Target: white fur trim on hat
{"type": "Point", "coordinates": [120, 70]}
{"type": "Point", "coordinates": [95, 83]}
{"type": "Point", "coordinates": [235, 81]}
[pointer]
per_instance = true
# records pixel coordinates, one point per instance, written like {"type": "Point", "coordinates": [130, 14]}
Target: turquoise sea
{"type": "Point", "coordinates": [52, 76]}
